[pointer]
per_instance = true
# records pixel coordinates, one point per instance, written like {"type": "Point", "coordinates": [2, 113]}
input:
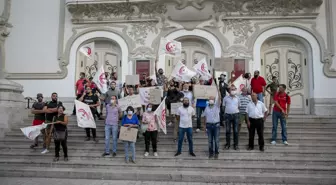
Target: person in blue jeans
{"type": "Point", "coordinates": [200, 107]}
{"type": "Point", "coordinates": [212, 122]}
{"type": "Point", "coordinates": [113, 113]}
{"type": "Point", "coordinates": [130, 120]}
{"type": "Point", "coordinates": [184, 116]}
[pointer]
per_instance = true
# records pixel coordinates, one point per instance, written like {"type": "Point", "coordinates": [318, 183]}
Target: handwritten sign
{"type": "Point", "coordinates": [132, 79]}
{"type": "Point", "coordinates": [174, 107]}
{"type": "Point", "coordinates": [155, 96]}
{"type": "Point", "coordinates": [204, 91]}
{"type": "Point", "coordinates": [133, 101]}
{"type": "Point", "coordinates": [128, 134]}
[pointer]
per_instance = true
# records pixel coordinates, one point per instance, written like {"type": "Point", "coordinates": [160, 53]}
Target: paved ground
{"type": "Point", "coordinates": [42, 181]}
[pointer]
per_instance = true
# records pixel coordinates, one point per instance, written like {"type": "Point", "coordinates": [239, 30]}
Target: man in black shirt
{"type": "Point", "coordinates": [223, 88]}
{"type": "Point", "coordinates": [50, 109]}
{"type": "Point", "coordinates": [39, 115]}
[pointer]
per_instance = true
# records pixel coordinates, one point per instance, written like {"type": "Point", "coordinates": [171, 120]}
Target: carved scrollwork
{"type": "Point", "coordinates": [182, 4]}
{"type": "Point", "coordinates": [240, 29]}
{"type": "Point", "coordinates": [272, 70]}
{"type": "Point", "coordinates": [110, 69]}
{"type": "Point", "coordinates": [139, 31]}
{"type": "Point", "coordinates": [294, 75]}
{"type": "Point", "coordinates": [91, 71]}
{"type": "Point", "coordinates": [262, 7]}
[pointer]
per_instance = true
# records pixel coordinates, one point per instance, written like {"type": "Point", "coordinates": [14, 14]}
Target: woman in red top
{"type": "Point", "coordinates": [258, 85]}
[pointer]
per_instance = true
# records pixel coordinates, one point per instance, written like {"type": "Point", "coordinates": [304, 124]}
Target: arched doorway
{"type": "Point", "coordinates": [193, 49]}
{"type": "Point", "coordinates": [107, 53]}
{"type": "Point", "coordinates": [287, 58]}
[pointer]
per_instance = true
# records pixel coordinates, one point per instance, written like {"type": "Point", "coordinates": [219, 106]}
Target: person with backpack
{"type": "Point", "coordinates": [280, 111]}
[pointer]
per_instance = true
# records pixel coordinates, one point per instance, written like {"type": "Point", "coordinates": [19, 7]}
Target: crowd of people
{"type": "Point", "coordinates": [228, 109]}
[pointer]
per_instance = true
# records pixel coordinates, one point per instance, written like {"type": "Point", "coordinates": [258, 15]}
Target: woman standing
{"type": "Point", "coordinates": [60, 133]}
{"type": "Point", "coordinates": [131, 121]}
{"type": "Point", "coordinates": [148, 119]}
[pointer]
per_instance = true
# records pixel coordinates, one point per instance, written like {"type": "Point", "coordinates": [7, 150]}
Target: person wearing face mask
{"type": "Point", "coordinates": [113, 113]}
{"type": "Point", "coordinates": [232, 117]}
{"type": "Point", "coordinates": [161, 79]}
{"type": "Point", "coordinates": [149, 119]}
{"type": "Point", "coordinates": [131, 121]}
{"type": "Point", "coordinates": [211, 122]}
{"type": "Point", "coordinates": [200, 107]}
{"type": "Point", "coordinates": [223, 89]}
{"type": "Point", "coordinates": [185, 115]}
{"type": "Point", "coordinates": [113, 91]}
{"type": "Point", "coordinates": [258, 85]}
{"type": "Point", "coordinates": [39, 115]}
{"type": "Point", "coordinates": [50, 108]}
{"type": "Point", "coordinates": [187, 93]}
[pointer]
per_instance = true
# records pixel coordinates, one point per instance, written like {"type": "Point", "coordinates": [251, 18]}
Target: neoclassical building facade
{"type": "Point", "coordinates": [291, 39]}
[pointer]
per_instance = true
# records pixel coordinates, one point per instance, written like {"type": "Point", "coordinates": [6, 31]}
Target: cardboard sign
{"type": "Point", "coordinates": [204, 91]}
{"type": "Point", "coordinates": [128, 134]}
{"type": "Point", "coordinates": [174, 107]}
{"type": "Point", "coordinates": [133, 101]}
{"type": "Point", "coordinates": [132, 79]}
{"type": "Point", "coordinates": [155, 96]}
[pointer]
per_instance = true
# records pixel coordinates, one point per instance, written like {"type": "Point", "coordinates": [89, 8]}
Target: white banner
{"type": "Point", "coordinates": [182, 73]}
{"type": "Point", "coordinates": [239, 83]}
{"type": "Point", "coordinates": [88, 50]}
{"type": "Point", "coordinates": [133, 101]}
{"type": "Point", "coordinates": [170, 47]}
{"type": "Point", "coordinates": [202, 69]}
{"type": "Point", "coordinates": [101, 80]}
{"type": "Point", "coordinates": [33, 131]}
{"type": "Point", "coordinates": [144, 93]}
{"type": "Point", "coordinates": [84, 116]}
{"type": "Point", "coordinates": [161, 116]}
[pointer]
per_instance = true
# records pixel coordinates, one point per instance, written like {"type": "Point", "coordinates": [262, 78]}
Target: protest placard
{"type": "Point", "coordinates": [128, 134]}
{"type": "Point", "coordinates": [132, 79]}
{"type": "Point", "coordinates": [133, 101]}
{"type": "Point", "coordinates": [204, 91]}
{"type": "Point", "coordinates": [174, 107]}
{"type": "Point", "coordinates": [155, 96]}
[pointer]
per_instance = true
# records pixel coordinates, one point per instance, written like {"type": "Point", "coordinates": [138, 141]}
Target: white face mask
{"type": "Point", "coordinates": [233, 92]}
{"type": "Point", "coordinates": [185, 90]}
{"type": "Point", "coordinates": [113, 101]}
{"type": "Point", "coordinates": [149, 109]}
{"type": "Point", "coordinates": [211, 102]}
{"type": "Point", "coordinates": [130, 112]}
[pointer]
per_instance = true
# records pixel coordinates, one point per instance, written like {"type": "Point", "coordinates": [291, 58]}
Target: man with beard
{"type": "Point", "coordinates": [79, 89]}
{"type": "Point", "coordinates": [51, 111]}
{"type": "Point", "coordinates": [160, 77]}
{"type": "Point", "coordinates": [223, 88]}
{"type": "Point", "coordinates": [258, 85]}
{"type": "Point", "coordinates": [39, 115]}
{"type": "Point", "coordinates": [113, 91]}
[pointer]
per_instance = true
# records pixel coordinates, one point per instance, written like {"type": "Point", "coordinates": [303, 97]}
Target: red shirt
{"type": "Point", "coordinates": [80, 86]}
{"type": "Point", "coordinates": [257, 84]}
{"type": "Point", "coordinates": [283, 99]}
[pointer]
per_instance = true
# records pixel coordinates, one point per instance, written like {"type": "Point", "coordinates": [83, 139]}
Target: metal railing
{"type": "Point", "coordinates": [29, 100]}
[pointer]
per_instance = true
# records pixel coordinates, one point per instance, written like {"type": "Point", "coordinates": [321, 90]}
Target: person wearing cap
{"type": "Point", "coordinates": [39, 115]}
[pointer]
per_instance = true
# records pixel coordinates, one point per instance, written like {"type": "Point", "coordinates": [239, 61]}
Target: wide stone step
{"type": "Point", "coordinates": [162, 174]}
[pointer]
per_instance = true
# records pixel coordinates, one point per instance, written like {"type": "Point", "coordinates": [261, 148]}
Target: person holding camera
{"type": "Point", "coordinates": [223, 88]}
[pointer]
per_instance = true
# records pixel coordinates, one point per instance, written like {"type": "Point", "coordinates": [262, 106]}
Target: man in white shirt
{"type": "Point", "coordinates": [257, 114]}
{"type": "Point", "coordinates": [184, 115]}
{"type": "Point", "coordinates": [212, 121]}
{"type": "Point", "coordinates": [231, 104]}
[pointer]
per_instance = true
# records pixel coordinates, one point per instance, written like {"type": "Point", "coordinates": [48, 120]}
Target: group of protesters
{"type": "Point", "coordinates": [229, 108]}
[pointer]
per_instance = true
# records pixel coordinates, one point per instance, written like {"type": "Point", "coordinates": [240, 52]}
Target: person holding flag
{"type": "Point", "coordinates": [39, 115]}
{"type": "Point", "coordinates": [60, 122]}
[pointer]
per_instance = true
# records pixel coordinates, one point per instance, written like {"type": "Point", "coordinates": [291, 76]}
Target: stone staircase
{"type": "Point", "coordinates": [309, 159]}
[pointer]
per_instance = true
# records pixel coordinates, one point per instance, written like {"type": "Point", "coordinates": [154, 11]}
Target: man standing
{"type": "Point", "coordinates": [211, 115]}
{"type": "Point", "coordinates": [113, 113]}
{"type": "Point", "coordinates": [274, 88]}
{"type": "Point", "coordinates": [39, 115]}
{"type": "Point", "coordinates": [280, 111]}
{"type": "Point", "coordinates": [50, 108]}
{"type": "Point", "coordinates": [223, 88]}
{"type": "Point", "coordinates": [256, 113]}
{"type": "Point", "coordinates": [113, 91]}
{"type": "Point", "coordinates": [244, 99]}
{"type": "Point", "coordinates": [79, 89]}
{"type": "Point", "coordinates": [231, 104]}
{"type": "Point", "coordinates": [184, 116]}
{"type": "Point", "coordinates": [258, 84]}
{"type": "Point", "coordinates": [200, 107]}
{"type": "Point", "coordinates": [160, 77]}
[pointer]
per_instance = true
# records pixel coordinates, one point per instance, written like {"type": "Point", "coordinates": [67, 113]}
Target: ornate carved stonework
{"type": "Point", "coordinates": [240, 29]}
{"type": "Point", "coordinates": [139, 31]}
{"type": "Point", "coordinates": [182, 4]}
{"type": "Point", "coordinates": [126, 10]}
{"type": "Point", "coordinates": [263, 7]}
{"type": "Point", "coordinates": [143, 52]}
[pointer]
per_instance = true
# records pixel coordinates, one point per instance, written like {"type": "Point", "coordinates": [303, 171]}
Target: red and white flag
{"type": "Point", "coordinates": [170, 47]}
{"type": "Point", "coordinates": [202, 69]}
{"type": "Point", "coordinates": [239, 83]}
{"type": "Point", "coordinates": [182, 73]}
{"type": "Point", "coordinates": [100, 80]}
{"type": "Point", "coordinates": [84, 116]}
{"type": "Point", "coordinates": [160, 114]}
{"type": "Point", "coordinates": [33, 131]}
{"type": "Point", "coordinates": [88, 50]}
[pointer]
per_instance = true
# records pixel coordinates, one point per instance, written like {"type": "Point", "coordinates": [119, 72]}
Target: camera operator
{"type": "Point", "coordinates": [223, 88]}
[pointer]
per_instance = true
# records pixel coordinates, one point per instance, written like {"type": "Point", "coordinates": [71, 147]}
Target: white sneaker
{"type": "Point", "coordinates": [285, 143]}
{"type": "Point", "coordinates": [156, 154]}
{"type": "Point", "coordinates": [273, 142]}
{"type": "Point", "coordinates": [45, 151]}
{"type": "Point", "coordinates": [146, 154]}
{"type": "Point", "coordinates": [198, 130]}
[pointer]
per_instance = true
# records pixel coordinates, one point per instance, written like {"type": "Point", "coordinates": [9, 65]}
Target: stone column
{"type": "Point", "coordinates": [12, 108]}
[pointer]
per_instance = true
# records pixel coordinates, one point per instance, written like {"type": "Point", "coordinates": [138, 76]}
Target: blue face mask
{"type": "Point", "coordinates": [149, 109]}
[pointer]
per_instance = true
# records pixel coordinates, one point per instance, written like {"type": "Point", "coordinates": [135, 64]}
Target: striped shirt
{"type": "Point", "coordinates": [244, 101]}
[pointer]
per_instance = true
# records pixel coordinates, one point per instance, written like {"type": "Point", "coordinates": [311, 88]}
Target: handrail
{"type": "Point", "coordinates": [28, 101]}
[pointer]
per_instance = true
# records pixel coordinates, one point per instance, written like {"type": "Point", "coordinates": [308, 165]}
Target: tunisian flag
{"type": "Point", "coordinates": [182, 73]}
{"type": "Point", "coordinates": [84, 116]}
{"type": "Point", "coordinates": [239, 83]}
{"type": "Point", "coordinates": [202, 69]}
{"type": "Point", "coordinates": [160, 114]}
{"type": "Point", "coordinates": [33, 131]}
{"type": "Point", "coordinates": [170, 47]}
{"type": "Point", "coordinates": [88, 50]}
{"type": "Point", "coordinates": [100, 80]}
